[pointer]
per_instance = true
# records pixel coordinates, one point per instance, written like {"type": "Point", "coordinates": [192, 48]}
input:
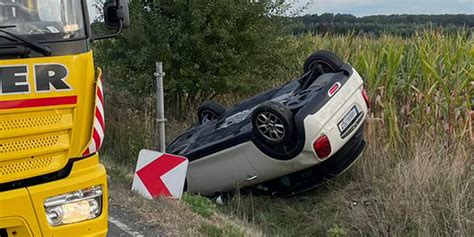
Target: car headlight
{"type": "Point", "coordinates": [73, 207]}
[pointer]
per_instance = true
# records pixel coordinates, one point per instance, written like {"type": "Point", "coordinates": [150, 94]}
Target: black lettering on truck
{"type": "Point", "coordinates": [14, 80]}
{"type": "Point", "coordinates": [51, 77]}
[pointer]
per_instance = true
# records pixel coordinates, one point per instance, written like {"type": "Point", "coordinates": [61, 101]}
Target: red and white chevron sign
{"type": "Point", "coordinates": [98, 132]}
{"type": "Point", "coordinates": [160, 175]}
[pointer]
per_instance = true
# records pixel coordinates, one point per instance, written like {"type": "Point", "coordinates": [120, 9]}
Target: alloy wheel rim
{"type": "Point", "coordinates": [271, 127]}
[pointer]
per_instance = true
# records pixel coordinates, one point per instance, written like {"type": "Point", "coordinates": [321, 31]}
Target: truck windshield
{"type": "Point", "coordinates": [44, 20]}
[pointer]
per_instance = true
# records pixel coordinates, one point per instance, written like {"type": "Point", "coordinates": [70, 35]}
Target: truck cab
{"type": "Point", "coordinates": [52, 119]}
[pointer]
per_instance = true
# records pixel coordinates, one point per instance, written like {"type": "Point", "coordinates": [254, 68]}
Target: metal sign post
{"type": "Point", "coordinates": [160, 106]}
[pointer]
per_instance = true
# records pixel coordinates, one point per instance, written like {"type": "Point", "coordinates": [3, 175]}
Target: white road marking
{"type": "Point", "coordinates": [124, 227]}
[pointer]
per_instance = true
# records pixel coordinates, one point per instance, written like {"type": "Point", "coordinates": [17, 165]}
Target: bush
{"type": "Point", "coordinates": [209, 48]}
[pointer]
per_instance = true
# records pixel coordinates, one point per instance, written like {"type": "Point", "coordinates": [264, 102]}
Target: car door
{"type": "Point", "coordinates": [223, 171]}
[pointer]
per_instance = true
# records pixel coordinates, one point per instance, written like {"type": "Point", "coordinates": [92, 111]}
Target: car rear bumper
{"type": "Point", "coordinates": [342, 160]}
{"type": "Point", "coordinates": [310, 178]}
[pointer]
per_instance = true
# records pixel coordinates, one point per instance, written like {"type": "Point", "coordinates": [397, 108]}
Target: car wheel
{"type": "Point", "coordinates": [273, 123]}
{"type": "Point", "coordinates": [328, 61]}
{"type": "Point", "coordinates": [210, 111]}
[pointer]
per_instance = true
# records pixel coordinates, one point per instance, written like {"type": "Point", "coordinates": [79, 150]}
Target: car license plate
{"type": "Point", "coordinates": [348, 119]}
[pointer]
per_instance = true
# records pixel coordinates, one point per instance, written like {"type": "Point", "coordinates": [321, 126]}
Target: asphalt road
{"type": "Point", "coordinates": [125, 223]}
{"type": "Point", "coordinates": [115, 231]}
{"type": "Point", "coordinates": [120, 229]}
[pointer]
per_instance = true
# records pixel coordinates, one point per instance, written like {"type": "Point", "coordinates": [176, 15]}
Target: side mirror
{"type": "Point", "coordinates": [115, 13]}
{"type": "Point", "coordinates": [116, 17]}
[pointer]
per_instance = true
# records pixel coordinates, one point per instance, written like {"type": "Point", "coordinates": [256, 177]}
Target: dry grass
{"type": "Point", "coordinates": [168, 215]}
{"type": "Point", "coordinates": [423, 189]}
{"type": "Point", "coordinates": [172, 217]}
{"type": "Point", "coordinates": [426, 189]}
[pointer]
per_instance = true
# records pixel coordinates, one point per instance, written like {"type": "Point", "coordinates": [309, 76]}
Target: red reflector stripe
{"type": "Point", "coordinates": [100, 94]}
{"type": "Point", "coordinates": [21, 104]}
{"type": "Point", "coordinates": [334, 89]}
{"type": "Point", "coordinates": [100, 119]}
{"type": "Point", "coordinates": [87, 152]}
{"type": "Point", "coordinates": [97, 138]}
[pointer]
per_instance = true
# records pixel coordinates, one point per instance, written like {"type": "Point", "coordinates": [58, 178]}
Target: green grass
{"type": "Point", "coordinates": [200, 205]}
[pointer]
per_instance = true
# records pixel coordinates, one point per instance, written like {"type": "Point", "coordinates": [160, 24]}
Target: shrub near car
{"type": "Point", "coordinates": [283, 141]}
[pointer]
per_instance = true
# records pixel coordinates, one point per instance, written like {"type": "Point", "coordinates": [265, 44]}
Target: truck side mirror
{"type": "Point", "coordinates": [116, 17]}
{"type": "Point", "coordinates": [115, 13]}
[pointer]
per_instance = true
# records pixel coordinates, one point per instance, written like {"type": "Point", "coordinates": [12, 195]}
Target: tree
{"type": "Point", "coordinates": [208, 48]}
{"type": "Point", "coordinates": [401, 25]}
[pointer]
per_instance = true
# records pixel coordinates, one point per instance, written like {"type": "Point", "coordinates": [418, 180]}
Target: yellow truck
{"type": "Point", "coordinates": [52, 118]}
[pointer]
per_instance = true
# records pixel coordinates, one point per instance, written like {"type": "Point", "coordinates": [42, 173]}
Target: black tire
{"type": "Point", "coordinates": [210, 111]}
{"type": "Point", "coordinates": [329, 61]}
{"type": "Point", "coordinates": [273, 123]}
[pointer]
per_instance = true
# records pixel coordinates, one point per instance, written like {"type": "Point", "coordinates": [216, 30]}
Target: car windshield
{"type": "Point", "coordinates": [43, 20]}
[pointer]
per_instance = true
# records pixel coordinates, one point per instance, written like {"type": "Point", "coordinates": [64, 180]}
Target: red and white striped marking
{"type": "Point", "coordinates": [160, 175]}
{"type": "Point", "coordinates": [98, 132]}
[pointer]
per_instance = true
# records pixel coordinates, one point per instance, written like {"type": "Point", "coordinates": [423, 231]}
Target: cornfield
{"type": "Point", "coordinates": [422, 84]}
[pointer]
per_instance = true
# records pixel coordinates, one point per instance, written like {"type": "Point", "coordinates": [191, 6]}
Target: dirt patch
{"type": "Point", "coordinates": [169, 217]}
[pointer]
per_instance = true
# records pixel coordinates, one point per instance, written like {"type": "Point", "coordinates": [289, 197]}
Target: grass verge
{"type": "Point", "coordinates": [423, 189]}
{"type": "Point", "coordinates": [192, 216]}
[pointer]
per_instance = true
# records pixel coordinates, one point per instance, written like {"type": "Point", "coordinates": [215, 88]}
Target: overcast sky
{"type": "Point", "coordinates": [374, 7]}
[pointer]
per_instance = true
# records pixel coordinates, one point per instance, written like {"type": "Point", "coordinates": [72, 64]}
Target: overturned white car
{"type": "Point", "coordinates": [281, 142]}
